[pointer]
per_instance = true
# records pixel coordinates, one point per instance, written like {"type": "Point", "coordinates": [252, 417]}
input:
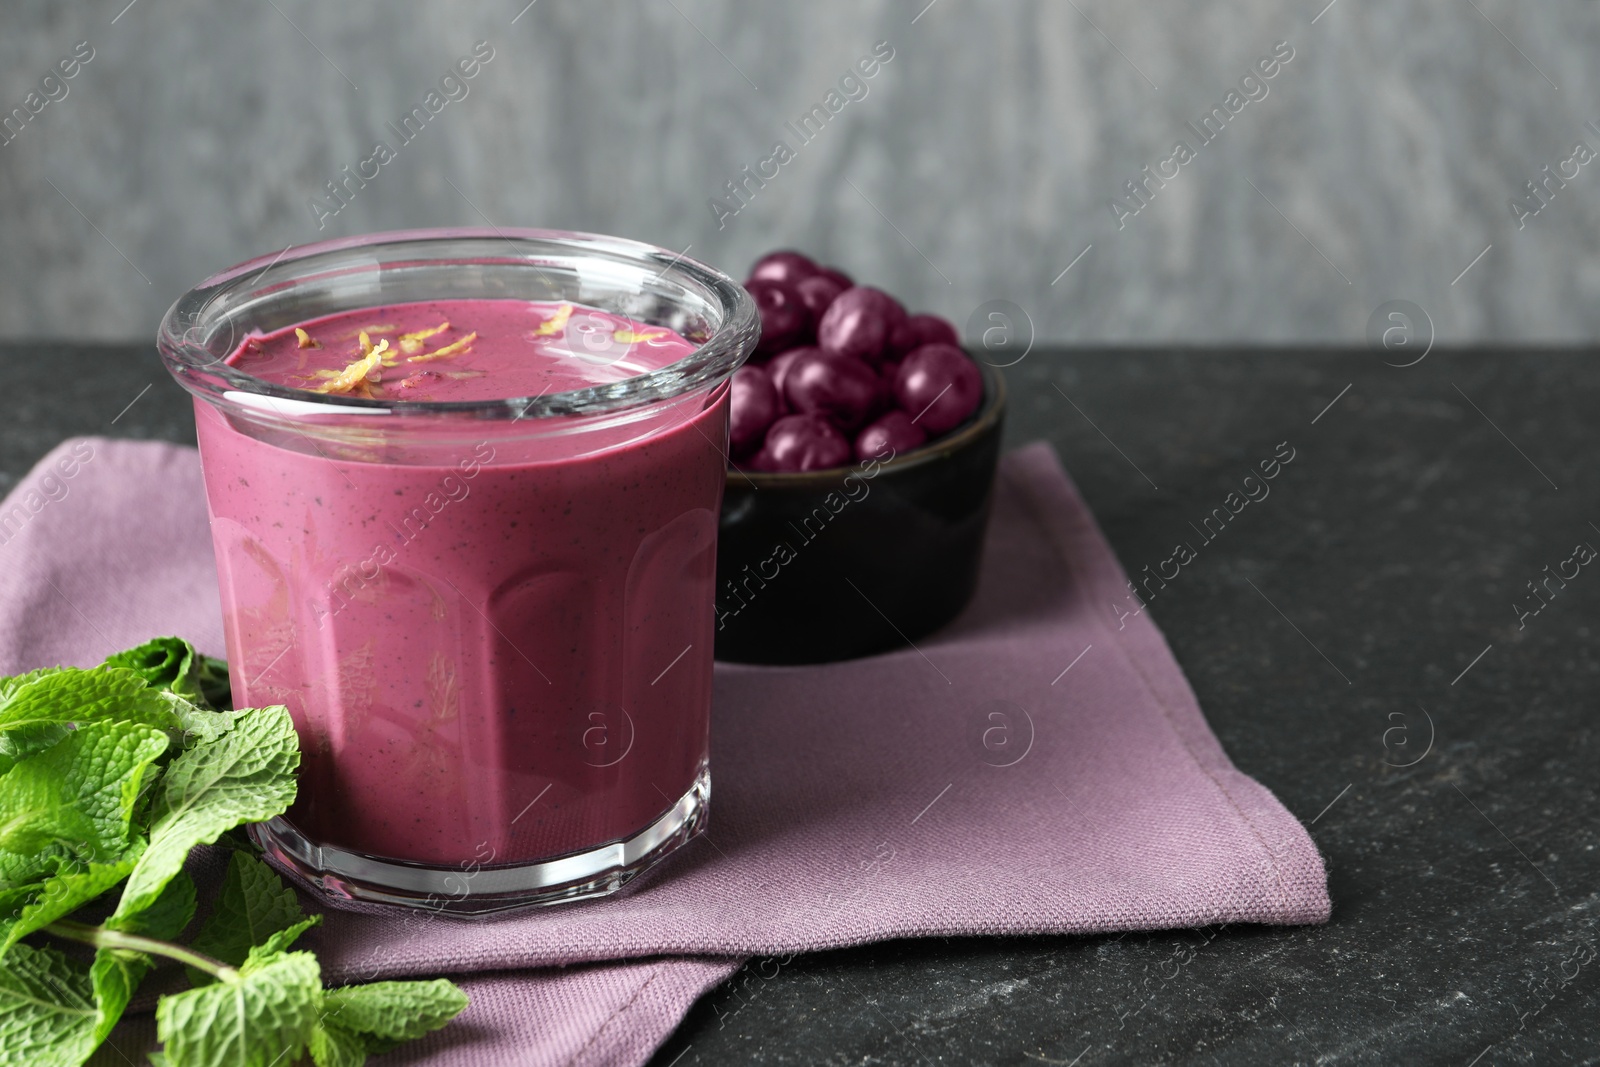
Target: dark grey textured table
{"type": "Point", "coordinates": [1360, 618]}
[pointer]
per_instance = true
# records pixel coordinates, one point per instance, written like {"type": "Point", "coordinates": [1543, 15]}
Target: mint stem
{"type": "Point", "coordinates": [101, 937]}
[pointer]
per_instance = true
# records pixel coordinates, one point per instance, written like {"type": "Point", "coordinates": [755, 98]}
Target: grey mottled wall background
{"type": "Point", "coordinates": [980, 164]}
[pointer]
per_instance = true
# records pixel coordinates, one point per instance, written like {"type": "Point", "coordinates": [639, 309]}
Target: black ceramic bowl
{"type": "Point", "coordinates": [841, 563]}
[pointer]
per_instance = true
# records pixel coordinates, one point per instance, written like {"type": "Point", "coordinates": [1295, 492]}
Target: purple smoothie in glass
{"type": "Point", "coordinates": [494, 656]}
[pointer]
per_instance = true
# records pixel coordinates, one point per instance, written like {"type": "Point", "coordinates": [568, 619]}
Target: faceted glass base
{"type": "Point", "coordinates": [357, 882]}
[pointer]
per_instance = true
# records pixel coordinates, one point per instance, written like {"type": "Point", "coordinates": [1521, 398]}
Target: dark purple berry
{"type": "Point", "coordinates": [804, 443]}
{"type": "Point", "coordinates": [786, 266]}
{"type": "Point", "coordinates": [752, 407]}
{"type": "Point", "coordinates": [938, 386]}
{"type": "Point", "coordinates": [844, 391]}
{"type": "Point", "coordinates": [785, 322]}
{"type": "Point", "coordinates": [919, 330]}
{"type": "Point", "coordinates": [858, 324]}
{"type": "Point", "coordinates": [893, 434]}
{"type": "Point", "coordinates": [817, 292]}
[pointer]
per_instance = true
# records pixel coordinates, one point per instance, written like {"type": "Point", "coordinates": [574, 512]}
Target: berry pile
{"type": "Point", "coordinates": [842, 373]}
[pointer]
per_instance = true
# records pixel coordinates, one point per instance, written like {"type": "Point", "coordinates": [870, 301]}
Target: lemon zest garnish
{"type": "Point", "coordinates": [555, 323]}
{"type": "Point", "coordinates": [356, 373]}
{"type": "Point", "coordinates": [454, 348]}
{"type": "Point", "coordinates": [367, 347]}
{"type": "Point", "coordinates": [626, 336]}
{"type": "Point", "coordinates": [461, 374]}
{"type": "Point", "coordinates": [411, 343]}
{"type": "Point", "coordinates": [423, 335]}
{"type": "Point", "coordinates": [304, 340]}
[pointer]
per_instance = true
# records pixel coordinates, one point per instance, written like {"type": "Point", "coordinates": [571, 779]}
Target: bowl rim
{"type": "Point", "coordinates": [982, 421]}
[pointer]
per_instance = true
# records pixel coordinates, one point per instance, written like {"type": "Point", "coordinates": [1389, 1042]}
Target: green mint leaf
{"type": "Point", "coordinates": [81, 791]}
{"type": "Point", "coordinates": [19, 870]}
{"type": "Point", "coordinates": [82, 696]}
{"type": "Point", "coordinates": [114, 976]}
{"type": "Point", "coordinates": [199, 725]}
{"type": "Point", "coordinates": [334, 1046]}
{"type": "Point", "coordinates": [281, 940]}
{"type": "Point", "coordinates": [164, 663]}
{"type": "Point", "coordinates": [215, 685]}
{"type": "Point", "coordinates": [252, 906]}
{"type": "Point", "coordinates": [32, 819]}
{"type": "Point", "coordinates": [246, 775]}
{"type": "Point", "coordinates": [65, 893]}
{"type": "Point", "coordinates": [10, 685]}
{"type": "Point", "coordinates": [47, 1010]}
{"type": "Point", "coordinates": [387, 1013]}
{"type": "Point", "coordinates": [172, 664]}
{"type": "Point", "coordinates": [167, 915]}
{"type": "Point", "coordinates": [12, 900]}
{"type": "Point", "coordinates": [266, 1016]}
{"type": "Point", "coordinates": [29, 740]}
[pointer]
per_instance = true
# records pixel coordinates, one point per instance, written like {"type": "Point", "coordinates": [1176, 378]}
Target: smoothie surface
{"type": "Point", "coordinates": [454, 350]}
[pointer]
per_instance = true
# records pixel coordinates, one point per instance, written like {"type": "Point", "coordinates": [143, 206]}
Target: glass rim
{"type": "Point", "coordinates": [205, 375]}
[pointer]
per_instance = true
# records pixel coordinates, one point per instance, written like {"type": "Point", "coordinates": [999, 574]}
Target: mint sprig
{"type": "Point", "coordinates": [109, 776]}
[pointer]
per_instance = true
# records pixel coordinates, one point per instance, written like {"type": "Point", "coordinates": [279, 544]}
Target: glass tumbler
{"type": "Point", "coordinates": [492, 621]}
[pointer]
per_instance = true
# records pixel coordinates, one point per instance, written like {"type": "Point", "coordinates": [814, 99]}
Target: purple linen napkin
{"type": "Point", "coordinates": [1040, 766]}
